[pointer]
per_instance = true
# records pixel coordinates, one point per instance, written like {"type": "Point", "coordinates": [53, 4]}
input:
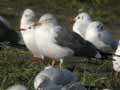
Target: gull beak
{"type": "Point", "coordinates": [22, 29]}
{"type": "Point", "coordinates": [36, 24]}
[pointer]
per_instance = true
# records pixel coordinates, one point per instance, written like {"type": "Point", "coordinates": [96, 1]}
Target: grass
{"type": "Point", "coordinates": [16, 67]}
{"type": "Point", "coordinates": [15, 64]}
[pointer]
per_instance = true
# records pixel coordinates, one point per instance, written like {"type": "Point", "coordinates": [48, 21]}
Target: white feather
{"type": "Point", "coordinates": [17, 87]}
{"type": "Point", "coordinates": [116, 61]}
{"type": "Point", "coordinates": [27, 19]}
{"type": "Point", "coordinates": [45, 38]}
{"type": "Point", "coordinates": [82, 21]}
{"type": "Point", "coordinates": [100, 38]}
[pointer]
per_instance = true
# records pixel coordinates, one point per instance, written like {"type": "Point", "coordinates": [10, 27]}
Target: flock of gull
{"type": "Point", "coordinates": [46, 38]}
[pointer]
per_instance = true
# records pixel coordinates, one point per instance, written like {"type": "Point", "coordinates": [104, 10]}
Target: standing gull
{"type": "Point", "coordinates": [28, 18]}
{"type": "Point", "coordinates": [82, 20]}
{"type": "Point", "coordinates": [55, 42]}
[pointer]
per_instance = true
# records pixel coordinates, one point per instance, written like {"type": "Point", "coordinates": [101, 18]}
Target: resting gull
{"type": "Point", "coordinates": [44, 83]}
{"type": "Point", "coordinates": [82, 21]}
{"type": "Point", "coordinates": [59, 76]}
{"type": "Point", "coordinates": [99, 37]}
{"type": "Point", "coordinates": [17, 87]}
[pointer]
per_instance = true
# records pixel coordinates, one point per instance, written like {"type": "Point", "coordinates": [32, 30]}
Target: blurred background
{"type": "Point", "coordinates": [15, 64]}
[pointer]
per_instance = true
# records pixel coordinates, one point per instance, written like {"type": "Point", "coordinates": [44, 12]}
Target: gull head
{"type": "Point", "coordinates": [83, 17]}
{"type": "Point", "coordinates": [28, 14]}
{"type": "Point", "coordinates": [96, 25]}
{"type": "Point", "coordinates": [48, 18]}
{"type": "Point", "coordinates": [41, 82]}
{"type": "Point", "coordinates": [17, 87]}
{"type": "Point", "coordinates": [28, 17]}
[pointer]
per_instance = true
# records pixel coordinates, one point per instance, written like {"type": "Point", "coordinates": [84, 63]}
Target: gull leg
{"type": "Point", "coordinates": [53, 63]}
{"type": "Point", "coordinates": [36, 60]}
{"type": "Point", "coordinates": [116, 75]}
{"type": "Point", "coordinates": [61, 63]}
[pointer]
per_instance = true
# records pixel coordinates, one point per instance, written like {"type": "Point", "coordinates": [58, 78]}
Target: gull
{"type": "Point", "coordinates": [17, 87]}
{"type": "Point", "coordinates": [59, 76]}
{"type": "Point", "coordinates": [44, 83]}
{"type": "Point", "coordinates": [55, 42]}
{"type": "Point", "coordinates": [99, 37]}
{"type": "Point", "coordinates": [116, 60]}
{"type": "Point", "coordinates": [82, 20]}
{"type": "Point", "coordinates": [8, 34]}
{"type": "Point", "coordinates": [27, 19]}
{"type": "Point", "coordinates": [102, 40]}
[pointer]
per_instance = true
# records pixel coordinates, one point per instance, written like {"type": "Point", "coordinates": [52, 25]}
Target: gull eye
{"type": "Point", "coordinates": [100, 27]}
{"type": "Point", "coordinates": [78, 17]}
{"type": "Point", "coordinates": [29, 27]}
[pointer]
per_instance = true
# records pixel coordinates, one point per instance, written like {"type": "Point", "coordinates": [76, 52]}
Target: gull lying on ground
{"type": "Point", "coordinates": [44, 83]}
{"type": "Point", "coordinates": [17, 87]}
{"type": "Point", "coordinates": [56, 79]}
{"type": "Point", "coordinates": [56, 75]}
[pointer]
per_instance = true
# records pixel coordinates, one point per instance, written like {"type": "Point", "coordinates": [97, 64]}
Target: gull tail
{"type": "Point", "coordinates": [107, 55]}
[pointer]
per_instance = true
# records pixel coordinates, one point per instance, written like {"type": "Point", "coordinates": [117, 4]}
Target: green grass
{"type": "Point", "coordinates": [15, 64]}
{"type": "Point", "coordinates": [16, 67]}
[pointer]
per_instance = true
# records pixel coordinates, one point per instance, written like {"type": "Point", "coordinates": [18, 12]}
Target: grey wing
{"type": "Point", "coordinates": [59, 76]}
{"type": "Point", "coordinates": [53, 87]}
{"type": "Point", "coordinates": [21, 41]}
{"type": "Point", "coordinates": [53, 74]}
{"type": "Point", "coordinates": [70, 39]}
{"type": "Point", "coordinates": [5, 22]}
{"type": "Point", "coordinates": [108, 39]}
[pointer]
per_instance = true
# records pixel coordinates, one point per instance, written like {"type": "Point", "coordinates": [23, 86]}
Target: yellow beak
{"type": "Point", "coordinates": [36, 23]}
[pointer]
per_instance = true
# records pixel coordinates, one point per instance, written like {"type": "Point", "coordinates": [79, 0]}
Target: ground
{"type": "Point", "coordinates": [16, 65]}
